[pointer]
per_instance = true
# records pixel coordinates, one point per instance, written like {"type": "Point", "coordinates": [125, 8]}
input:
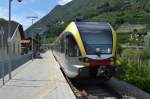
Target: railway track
{"type": "Point", "coordinates": [92, 90]}
{"type": "Point", "coordinates": [113, 89]}
{"type": "Point", "coordinates": [97, 91]}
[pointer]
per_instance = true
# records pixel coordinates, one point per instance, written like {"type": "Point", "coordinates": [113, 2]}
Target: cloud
{"type": "Point", "coordinates": [63, 2]}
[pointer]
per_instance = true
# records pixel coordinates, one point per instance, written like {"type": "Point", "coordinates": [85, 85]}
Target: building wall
{"type": "Point", "coordinates": [3, 54]}
{"type": "Point", "coordinates": [16, 44]}
{"type": "Point", "coordinates": [3, 49]}
{"type": "Point", "coordinates": [14, 47]}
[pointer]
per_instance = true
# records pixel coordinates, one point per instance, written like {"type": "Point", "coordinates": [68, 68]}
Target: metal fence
{"type": "Point", "coordinates": [15, 63]}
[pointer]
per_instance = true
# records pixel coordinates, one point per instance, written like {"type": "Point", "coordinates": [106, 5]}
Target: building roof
{"type": "Point", "coordinates": [14, 26]}
{"type": "Point", "coordinates": [4, 29]}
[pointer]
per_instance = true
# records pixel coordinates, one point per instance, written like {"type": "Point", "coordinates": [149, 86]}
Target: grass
{"type": "Point", "coordinates": [136, 68]}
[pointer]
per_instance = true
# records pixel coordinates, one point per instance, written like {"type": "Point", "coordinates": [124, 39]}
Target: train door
{"type": "Point", "coordinates": [72, 51]}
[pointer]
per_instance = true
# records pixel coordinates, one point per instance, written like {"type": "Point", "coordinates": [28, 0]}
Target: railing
{"type": "Point", "coordinates": [15, 63]}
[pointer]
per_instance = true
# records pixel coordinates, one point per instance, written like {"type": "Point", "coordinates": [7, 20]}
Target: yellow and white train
{"type": "Point", "coordinates": [86, 49]}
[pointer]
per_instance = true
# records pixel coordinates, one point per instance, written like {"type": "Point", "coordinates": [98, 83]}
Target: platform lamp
{"type": "Point", "coordinates": [32, 19]}
{"type": "Point", "coordinates": [9, 36]}
{"type": "Point", "coordinates": [40, 33]}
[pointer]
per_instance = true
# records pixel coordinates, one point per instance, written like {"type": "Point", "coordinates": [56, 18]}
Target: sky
{"type": "Point", "coordinates": [20, 10]}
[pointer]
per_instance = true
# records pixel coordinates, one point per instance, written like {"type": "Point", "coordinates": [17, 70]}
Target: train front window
{"type": "Point", "coordinates": [101, 40]}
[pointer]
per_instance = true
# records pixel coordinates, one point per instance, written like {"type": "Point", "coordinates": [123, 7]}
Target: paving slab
{"type": "Point", "coordinates": [38, 79]}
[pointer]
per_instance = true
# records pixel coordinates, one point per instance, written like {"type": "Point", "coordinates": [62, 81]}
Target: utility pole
{"type": "Point", "coordinates": [9, 37]}
{"type": "Point", "coordinates": [32, 19]}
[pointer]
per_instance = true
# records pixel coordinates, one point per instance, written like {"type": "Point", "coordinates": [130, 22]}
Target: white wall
{"type": "Point", "coordinates": [14, 47]}
{"type": "Point", "coordinates": [15, 44]}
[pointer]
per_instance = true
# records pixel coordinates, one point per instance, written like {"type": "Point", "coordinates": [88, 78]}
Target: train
{"type": "Point", "coordinates": [87, 49]}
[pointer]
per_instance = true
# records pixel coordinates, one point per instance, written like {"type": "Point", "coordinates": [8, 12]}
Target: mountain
{"type": "Point", "coordinates": [116, 12]}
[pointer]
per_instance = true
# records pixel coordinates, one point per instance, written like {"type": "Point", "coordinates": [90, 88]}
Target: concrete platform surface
{"type": "Point", "coordinates": [40, 79]}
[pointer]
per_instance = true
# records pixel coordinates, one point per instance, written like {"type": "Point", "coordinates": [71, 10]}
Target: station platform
{"type": "Point", "coordinates": [38, 79]}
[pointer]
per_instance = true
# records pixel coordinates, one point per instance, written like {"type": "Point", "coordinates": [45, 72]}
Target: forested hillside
{"type": "Point", "coordinates": [114, 11]}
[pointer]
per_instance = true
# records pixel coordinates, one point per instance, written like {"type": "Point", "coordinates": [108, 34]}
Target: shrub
{"type": "Point", "coordinates": [136, 71]}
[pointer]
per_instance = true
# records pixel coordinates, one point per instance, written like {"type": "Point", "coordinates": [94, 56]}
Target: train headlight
{"type": "Point", "coordinates": [112, 63]}
{"type": "Point", "coordinates": [87, 64]}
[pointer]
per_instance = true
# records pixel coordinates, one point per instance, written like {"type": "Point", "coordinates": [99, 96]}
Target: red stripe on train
{"type": "Point", "coordinates": [99, 62]}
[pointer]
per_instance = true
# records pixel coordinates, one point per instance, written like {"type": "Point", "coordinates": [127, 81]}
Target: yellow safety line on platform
{"type": "Point", "coordinates": [44, 89]}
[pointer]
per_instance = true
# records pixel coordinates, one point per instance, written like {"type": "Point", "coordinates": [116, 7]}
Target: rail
{"type": "Point", "coordinates": [15, 63]}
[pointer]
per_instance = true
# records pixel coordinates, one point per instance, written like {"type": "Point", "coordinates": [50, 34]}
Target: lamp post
{"type": "Point", "coordinates": [32, 19]}
{"type": "Point", "coordinates": [39, 35]}
{"type": "Point", "coordinates": [9, 36]}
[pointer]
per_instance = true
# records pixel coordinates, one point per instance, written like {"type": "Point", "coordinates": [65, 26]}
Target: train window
{"type": "Point", "coordinates": [102, 40]}
{"type": "Point", "coordinates": [72, 49]}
